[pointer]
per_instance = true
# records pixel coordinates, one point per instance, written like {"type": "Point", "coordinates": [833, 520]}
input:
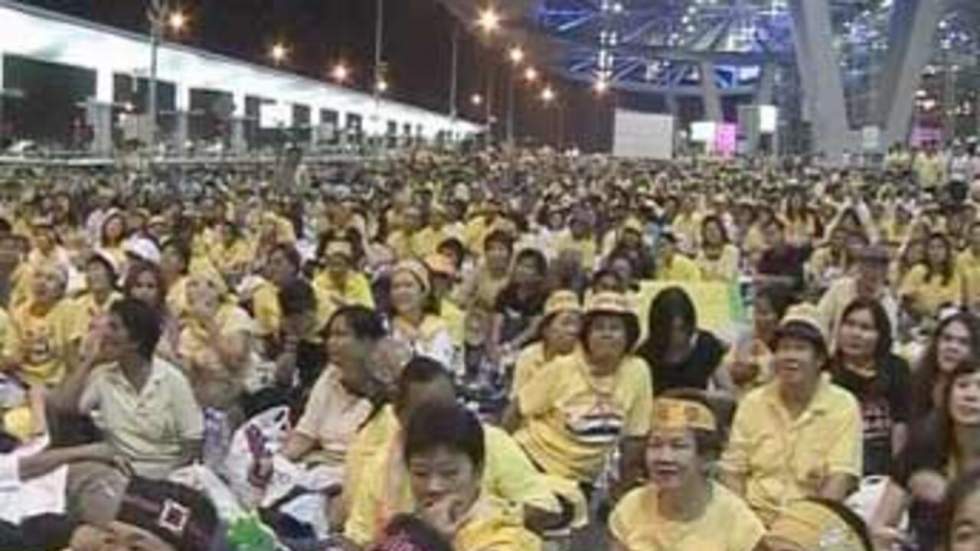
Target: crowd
{"type": "Point", "coordinates": [494, 350]}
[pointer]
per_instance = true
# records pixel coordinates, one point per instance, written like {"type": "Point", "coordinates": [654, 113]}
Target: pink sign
{"type": "Point", "coordinates": [726, 139]}
{"type": "Point", "coordinates": [924, 135]}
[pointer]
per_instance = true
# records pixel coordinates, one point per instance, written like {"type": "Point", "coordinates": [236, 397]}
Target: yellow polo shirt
{"type": "Point", "coordinates": [365, 446]}
{"type": "Point", "coordinates": [723, 269]}
{"type": "Point", "coordinates": [727, 524]}
{"type": "Point", "coordinates": [89, 309]}
{"type": "Point", "coordinates": [529, 363]}
{"type": "Point", "coordinates": [932, 294]}
{"type": "Point", "coordinates": [356, 289]}
{"type": "Point", "coordinates": [332, 418]}
{"type": "Point", "coordinates": [782, 459]}
{"type": "Point", "coordinates": [968, 265]}
{"type": "Point", "coordinates": [268, 314]}
{"type": "Point", "coordinates": [507, 475]}
{"type": "Point", "coordinates": [40, 342]}
{"type": "Point", "coordinates": [573, 419]}
{"type": "Point", "coordinates": [681, 268]}
{"type": "Point", "coordinates": [494, 525]}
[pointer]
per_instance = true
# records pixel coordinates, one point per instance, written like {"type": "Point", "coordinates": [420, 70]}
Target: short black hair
{"type": "Point", "coordinates": [297, 297]}
{"type": "Point", "coordinates": [141, 321]}
{"type": "Point", "coordinates": [364, 322]}
{"type": "Point", "coordinates": [419, 370]}
{"type": "Point", "coordinates": [501, 237]}
{"type": "Point", "coordinates": [445, 425]}
{"type": "Point", "coordinates": [536, 256]}
{"type": "Point", "coordinates": [290, 253]}
{"type": "Point", "coordinates": [104, 262]}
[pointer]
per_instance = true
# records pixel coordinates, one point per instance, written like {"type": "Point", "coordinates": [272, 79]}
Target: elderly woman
{"type": "Point", "coordinates": [681, 508]}
{"type": "Point", "coordinates": [579, 407]}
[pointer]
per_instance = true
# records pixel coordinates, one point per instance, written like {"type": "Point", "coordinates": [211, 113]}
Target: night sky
{"type": "Point", "coordinates": [322, 32]}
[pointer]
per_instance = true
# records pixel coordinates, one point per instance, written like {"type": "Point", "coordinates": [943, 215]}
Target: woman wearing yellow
{"type": "Point", "coordinates": [231, 253]}
{"type": "Point", "coordinates": [672, 265]}
{"type": "Point", "coordinates": [681, 508]}
{"type": "Point", "coordinates": [486, 282]}
{"type": "Point", "coordinates": [215, 344]}
{"type": "Point", "coordinates": [718, 258]}
{"type": "Point", "coordinates": [44, 331]}
{"type": "Point", "coordinates": [559, 332]}
{"type": "Point", "coordinates": [112, 237]}
{"type": "Point", "coordinates": [577, 408]}
{"type": "Point", "coordinates": [174, 262]}
{"type": "Point", "coordinates": [442, 273]}
{"type": "Point", "coordinates": [415, 317]}
{"type": "Point", "coordinates": [934, 283]}
{"type": "Point", "coordinates": [444, 450]}
{"type": "Point", "coordinates": [100, 293]}
{"type": "Point", "coordinates": [339, 281]}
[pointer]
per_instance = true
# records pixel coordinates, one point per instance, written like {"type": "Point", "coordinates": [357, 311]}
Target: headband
{"type": "Point", "coordinates": [673, 413]}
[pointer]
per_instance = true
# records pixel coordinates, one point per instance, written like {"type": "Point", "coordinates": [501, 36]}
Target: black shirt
{"type": "Point", "coordinates": [885, 400]}
{"type": "Point", "coordinates": [694, 371]}
{"type": "Point", "coordinates": [785, 261]}
{"type": "Point", "coordinates": [517, 310]}
{"type": "Point", "coordinates": [924, 452]}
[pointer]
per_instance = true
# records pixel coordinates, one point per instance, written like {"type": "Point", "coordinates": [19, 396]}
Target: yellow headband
{"type": "Point", "coordinates": [814, 527]}
{"type": "Point", "coordinates": [340, 248]}
{"type": "Point", "coordinates": [672, 413]}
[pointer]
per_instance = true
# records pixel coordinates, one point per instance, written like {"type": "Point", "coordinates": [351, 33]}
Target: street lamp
{"type": "Point", "coordinates": [381, 87]}
{"type": "Point", "coordinates": [516, 55]}
{"type": "Point", "coordinates": [530, 74]}
{"type": "Point", "coordinates": [476, 99]}
{"type": "Point", "coordinates": [489, 20]}
{"type": "Point", "coordinates": [341, 73]}
{"type": "Point", "coordinates": [547, 95]}
{"type": "Point", "coordinates": [278, 53]}
{"type": "Point", "coordinates": [601, 86]}
{"type": "Point", "coordinates": [177, 21]}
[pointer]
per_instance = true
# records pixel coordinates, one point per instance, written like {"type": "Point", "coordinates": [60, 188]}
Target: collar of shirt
{"type": "Point", "coordinates": [819, 404]}
{"type": "Point", "coordinates": [116, 377]}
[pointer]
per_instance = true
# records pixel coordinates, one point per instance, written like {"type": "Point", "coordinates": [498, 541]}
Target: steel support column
{"type": "Point", "coordinates": [767, 83]}
{"type": "Point", "coordinates": [709, 93]}
{"type": "Point", "coordinates": [911, 31]}
{"type": "Point", "coordinates": [818, 66]}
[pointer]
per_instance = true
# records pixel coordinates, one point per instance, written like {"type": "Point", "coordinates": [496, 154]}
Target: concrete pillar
{"type": "Point", "coordinates": [819, 70]}
{"type": "Point", "coordinates": [767, 83]}
{"type": "Point", "coordinates": [99, 116]}
{"type": "Point", "coordinates": [103, 86]}
{"type": "Point", "coordinates": [709, 93]}
{"type": "Point", "coordinates": [911, 31]}
{"type": "Point", "coordinates": [239, 143]}
{"type": "Point", "coordinates": [182, 104]}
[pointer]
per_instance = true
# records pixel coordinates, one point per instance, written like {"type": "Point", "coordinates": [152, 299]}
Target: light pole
{"type": "Point", "coordinates": [516, 57]}
{"type": "Point", "coordinates": [156, 14]}
{"type": "Point", "coordinates": [489, 21]}
{"type": "Point", "coordinates": [454, 79]}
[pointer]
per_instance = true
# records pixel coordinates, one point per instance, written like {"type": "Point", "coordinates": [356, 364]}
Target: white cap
{"type": "Point", "coordinates": [143, 248]}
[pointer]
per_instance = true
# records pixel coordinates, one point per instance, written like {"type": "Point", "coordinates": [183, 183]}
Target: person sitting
{"type": "Point", "coordinates": [383, 489]}
{"type": "Point", "coordinates": [799, 415]}
{"type": "Point", "coordinates": [146, 407]}
{"type": "Point", "coordinates": [415, 317]}
{"type": "Point", "coordinates": [680, 508]}
{"type": "Point", "coordinates": [671, 264]}
{"type": "Point", "coordinates": [445, 438]}
{"type": "Point", "coordinates": [935, 283]}
{"type": "Point", "coordinates": [681, 355]}
{"type": "Point", "coordinates": [749, 360]}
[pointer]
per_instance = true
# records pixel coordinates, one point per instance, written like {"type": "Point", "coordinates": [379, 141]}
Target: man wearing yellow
{"type": "Point", "coordinates": [339, 282]}
{"type": "Point", "coordinates": [671, 264]}
{"type": "Point", "coordinates": [446, 454]}
{"type": "Point", "coordinates": [45, 331]}
{"type": "Point", "coordinates": [681, 508]}
{"type": "Point", "coordinates": [799, 435]}
{"type": "Point", "coordinates": [384, 488]}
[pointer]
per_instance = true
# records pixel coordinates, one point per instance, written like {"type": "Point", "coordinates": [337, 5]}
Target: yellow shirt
{"type": "Point", "coordinates": [930, 295]}
{"type": "Point", "coordinates": [782, 459]}
{"type": "Point", "coordinates": [332, 418]}
{"type": "Point", "coordinates": [752, 351]}
{"type": "Point", "coordinates": [968, 265]}
{"type": "Point", "coordinates": [727, 524]}
{"type": "Point", "coordinates": [572, 419]}
{"type": "Point", "coordinates": [529, 363]}
{"type": "Point", "coordinates": [688, 228]}
{"type": "Point", "coordinates": [455, 320]}
{"type": "Point", "coordinates": [366, 445]}
{"type": "Point", "coordinates": [493, 525]}
{"type": "Point", "coordinates": [723, 269]}
{"type": "Point", "coordinates": [41, 342]}
{"type": "Point", "coordinates": [356, 289]}
{"type": "Point", "coordinates": [585, 246]}
{"type": "Point", "coordinates": [215, 384]}
{"type": "Point", "coordinates": [89, 309]}
{"type": "Point", "coordinates": [507, 475]}
{"type": "Point", "coordinates": [231, 258]}
{"type": "Point", "coordinates": [268, 314]}
{"type": "Point", "coordinates": [681, 268]}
